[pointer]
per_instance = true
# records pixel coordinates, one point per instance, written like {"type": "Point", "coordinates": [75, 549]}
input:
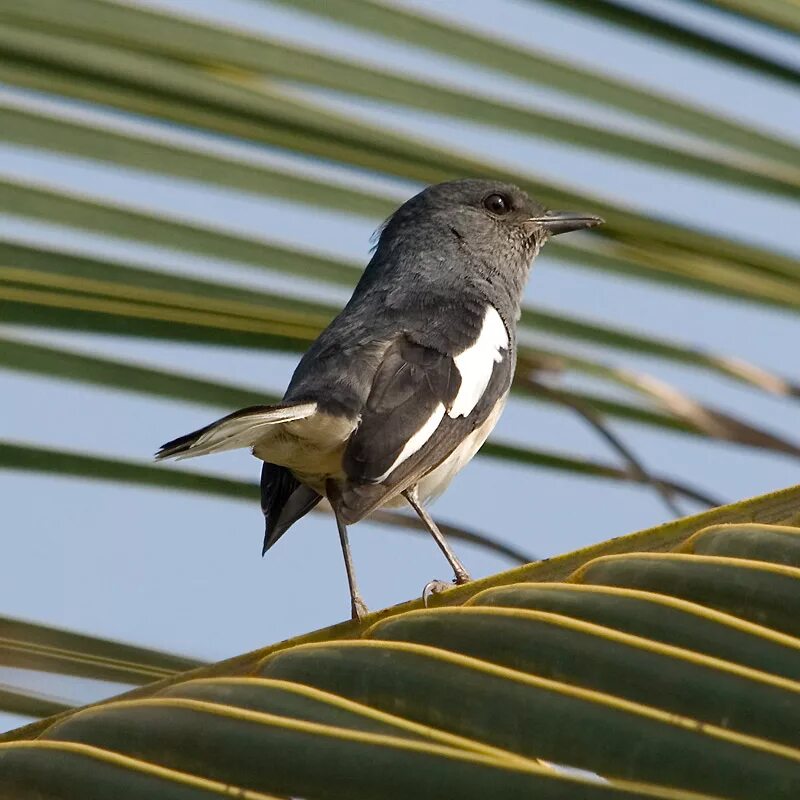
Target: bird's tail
{"type": "Point", "coordinates": [241, 429]}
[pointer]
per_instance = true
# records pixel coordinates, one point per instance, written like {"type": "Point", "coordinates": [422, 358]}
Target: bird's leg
{"type": "Point", "coordinates": [462, 576]}
{"type": "Point", "coordinates": [358, 608]}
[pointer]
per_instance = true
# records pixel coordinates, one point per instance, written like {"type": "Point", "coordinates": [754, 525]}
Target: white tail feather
{"type": "Point", "coordinates": [230, 433]}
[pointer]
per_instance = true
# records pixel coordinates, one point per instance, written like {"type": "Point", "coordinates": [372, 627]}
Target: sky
{"type": "Point", "coordinates": [181, 572]}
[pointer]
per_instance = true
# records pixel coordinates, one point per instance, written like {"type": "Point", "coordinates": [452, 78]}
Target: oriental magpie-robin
{"type": "Point", "coordinates": [400, 391]}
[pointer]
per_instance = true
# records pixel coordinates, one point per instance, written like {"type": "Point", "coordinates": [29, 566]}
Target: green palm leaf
{"type": "Point", "coordinates": [186, 40]}
{"type": "Point", "coordinates": [652, 25]}
{"type": "Point", "coordinates": [782, 15]}
{"type": "Point", "coordinates": [666, 662]}
{"type": "Point", "coordinates": [426, 31]}
{"type": "Point", "coordinates": [606, 659]}
{"type": "Point", "coordinates": [267, 114]}
{"type": "Point", "coordinates": [30, 704]}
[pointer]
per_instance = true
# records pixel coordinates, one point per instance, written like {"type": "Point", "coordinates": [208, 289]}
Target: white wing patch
{"type": "Point", "coordinates": [475, 366]}
{"type": "Point", "coordinates": [476, 363]}
{"type": "Point", "coordinates": [416, 441]}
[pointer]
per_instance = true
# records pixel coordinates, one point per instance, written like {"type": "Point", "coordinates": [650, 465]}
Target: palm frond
{"type": "Point", "coordinates": [663, 664]}
{"type": "Point", "coordinates": [491, 688]}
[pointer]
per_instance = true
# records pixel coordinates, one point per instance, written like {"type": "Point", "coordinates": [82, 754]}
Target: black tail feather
{"type": "Point", "coordinates": [284, 500]}
{"type": "Point", "coordinates": [181, 444]}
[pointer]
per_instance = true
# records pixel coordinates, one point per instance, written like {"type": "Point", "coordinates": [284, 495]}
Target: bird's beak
{"type": "Point", "coordinates": [555, 222]}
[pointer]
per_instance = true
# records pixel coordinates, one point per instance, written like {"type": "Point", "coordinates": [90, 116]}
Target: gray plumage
{"type": "Point", "coordinates": [404, 385]}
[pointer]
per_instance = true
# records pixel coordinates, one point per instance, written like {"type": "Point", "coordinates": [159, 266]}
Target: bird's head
{"type": "Point", "coordinates": [494, 221]}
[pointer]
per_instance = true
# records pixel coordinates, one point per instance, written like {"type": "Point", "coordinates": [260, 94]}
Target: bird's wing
{"type": "Point", "coordinates": [422, 404]}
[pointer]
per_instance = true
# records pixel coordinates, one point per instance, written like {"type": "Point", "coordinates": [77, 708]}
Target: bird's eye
{"type": "Point", "coordinates": [497, 204]}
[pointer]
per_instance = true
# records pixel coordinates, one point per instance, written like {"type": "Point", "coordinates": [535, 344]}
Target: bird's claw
{"type": "Point", "coordinates": [434, 587]}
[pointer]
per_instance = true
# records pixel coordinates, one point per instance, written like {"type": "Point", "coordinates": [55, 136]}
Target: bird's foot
{"type": "Point", "coordinates": [358, 608]}
{"type": "Point", "coordinates": [434, 587]}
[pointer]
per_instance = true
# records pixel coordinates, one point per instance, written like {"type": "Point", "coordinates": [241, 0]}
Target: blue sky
{"type": "Point", "coordinates": [183, 573]}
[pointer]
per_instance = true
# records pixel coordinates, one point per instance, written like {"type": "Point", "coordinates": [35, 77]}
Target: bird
{"type": "Point", "coordinates": [403, 387]}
